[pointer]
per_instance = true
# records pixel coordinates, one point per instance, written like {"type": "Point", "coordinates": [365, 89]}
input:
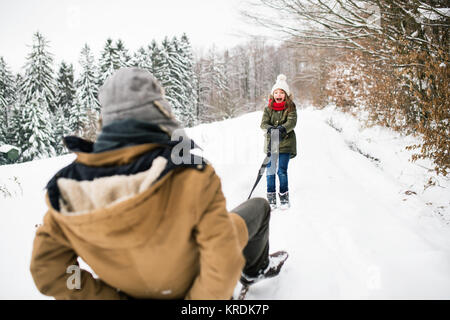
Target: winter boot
{"type": "Point", "coordinates": [276, 261]}
{"type": "Point", "coordinates": [272, 198]}
{"type": "Point", "coordinates": [284, 200]}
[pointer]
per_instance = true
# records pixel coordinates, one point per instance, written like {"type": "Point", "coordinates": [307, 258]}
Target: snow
{"type": "Point", "coordinates": [7, 148]}
{"type": "Point", "coordinates": [359, 227]}
{"type": "Point", "coordinates": [434, 14]}
{"type": "Point", "coordinates": [20, 215]}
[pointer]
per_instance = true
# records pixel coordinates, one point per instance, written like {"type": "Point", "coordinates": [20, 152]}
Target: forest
{"type": "Point", "coordinates": [384, 61]}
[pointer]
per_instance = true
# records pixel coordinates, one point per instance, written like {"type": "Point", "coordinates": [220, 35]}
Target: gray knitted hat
{"type": "Point", "coordinates": [134, 93]}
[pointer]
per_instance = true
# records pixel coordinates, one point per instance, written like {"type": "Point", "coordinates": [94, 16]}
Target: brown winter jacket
{"type": "Point", "coordinates": [167, 239]}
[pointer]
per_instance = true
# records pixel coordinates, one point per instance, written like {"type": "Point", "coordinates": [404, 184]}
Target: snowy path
{"type": "Point", "coordinates": [356, 231]}
{"type": "Point", "coordinates": [351, 232]}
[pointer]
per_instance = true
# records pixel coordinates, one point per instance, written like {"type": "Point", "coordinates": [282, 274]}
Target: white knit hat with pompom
{"type": "Point", "coordinates": [281, 84]}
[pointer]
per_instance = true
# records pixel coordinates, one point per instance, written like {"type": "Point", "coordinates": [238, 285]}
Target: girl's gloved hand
{"type": "Point", "coordinates": [269, 129]}
{"type": "Point", "coordinates": [282, 131]}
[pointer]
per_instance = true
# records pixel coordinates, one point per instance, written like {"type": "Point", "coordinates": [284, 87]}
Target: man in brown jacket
{"type": "Point", "coordinates": [147, 224]}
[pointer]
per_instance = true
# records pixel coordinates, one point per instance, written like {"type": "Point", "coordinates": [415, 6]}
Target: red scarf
{"type": "Point", "coordinates": [278, 106]}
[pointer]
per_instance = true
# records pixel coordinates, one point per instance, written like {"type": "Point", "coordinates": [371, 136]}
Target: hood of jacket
{"type": "Point", "coordinates": [103, 197]}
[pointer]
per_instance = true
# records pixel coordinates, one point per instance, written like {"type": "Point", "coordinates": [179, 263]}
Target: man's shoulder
{"type": "Point", "coordinates": [200, 170]}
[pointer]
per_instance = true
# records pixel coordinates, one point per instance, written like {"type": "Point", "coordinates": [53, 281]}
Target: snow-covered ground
{"type": "Point", "coordinates": [365, 223]}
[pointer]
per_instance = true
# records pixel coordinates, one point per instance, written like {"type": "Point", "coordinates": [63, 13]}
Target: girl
{"type": "Point", "coordinates": [279, 120]}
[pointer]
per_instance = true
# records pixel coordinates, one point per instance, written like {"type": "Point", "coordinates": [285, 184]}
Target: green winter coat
{"type": "Point", "coordinates": [288, 120]}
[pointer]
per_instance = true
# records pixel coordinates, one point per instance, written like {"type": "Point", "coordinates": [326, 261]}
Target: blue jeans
{"type": "Point", "coordinates": [282, 159]}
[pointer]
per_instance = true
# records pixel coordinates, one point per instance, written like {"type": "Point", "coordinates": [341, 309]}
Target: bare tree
{"type": "Point", "coordinates": [402, 51]}
{"type": "Point", "coordinates": [354, 24]}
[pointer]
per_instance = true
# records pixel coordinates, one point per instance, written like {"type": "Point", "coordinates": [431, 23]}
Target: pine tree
{"type": "Point", "coordinates": [17, 82]}
{"type": "Point", "coordinates": [65, 98]}
{"type": "Point", "coordinates": [160, 66]}
{"type": "Point", "coordinates": [39, 78]}
{"type": "Point", "coordinates": [7, 97]}
{"type": "Point", "coordinates": [61, 130]}
{"type": "Point", "coordinates": [109, 61]}
{"type": "Point", "coordinates": [172, 85]}
{"type": "Point", "coordinates": [65, 93]}
{"type": "Point", "coordinates": [153, 52]}
{"type": "Point", "coordinates": [87, 109]}
{"type": "Point", "coordinates": [124, 59]}
{"type": "Point", "coordinates": [14, 120]}
{"type": "Point", "coordinates": [35, 134]}
{"type": "Point", "coordinates": [79, 120]}
{"type": "Point", "coordinates": [34, 108]}
{"type": "Point", "coordinates": [142, 59]}
{"type": "Point", "coordinates": [188, 82]}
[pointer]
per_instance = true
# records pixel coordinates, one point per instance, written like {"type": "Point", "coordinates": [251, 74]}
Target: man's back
{"type": "Point", "coordinates": [163, 238]}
